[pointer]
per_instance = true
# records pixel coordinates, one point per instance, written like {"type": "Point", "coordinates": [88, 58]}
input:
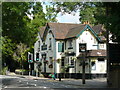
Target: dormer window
{"type": "Point", "coordinates": [70, 44]}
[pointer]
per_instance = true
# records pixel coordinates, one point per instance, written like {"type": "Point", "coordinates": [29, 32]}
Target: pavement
{"type": "Point", "coordinates": [90, 83]}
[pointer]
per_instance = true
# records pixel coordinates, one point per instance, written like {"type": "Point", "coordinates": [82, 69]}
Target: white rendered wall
{"type": "Point", "coordinates": [101, 66]}
{"type": "Point", "coordinates": [88, 38]}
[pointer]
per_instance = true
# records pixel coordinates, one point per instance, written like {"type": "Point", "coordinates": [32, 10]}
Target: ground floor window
{"type": "Point", "coordinates": [72, 62]}
{"type": "Point", "coordinates": [51, 60]}
{"type": "Point", "coordinates": [93, 64]}
{"type": "Point", "coordinates": [62, 62]}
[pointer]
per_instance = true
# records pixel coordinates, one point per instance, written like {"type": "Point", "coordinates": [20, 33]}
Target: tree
{"type": "Point", "coordinates": [7, 51]}
{"type": "Point", "coordinates": [17, 27]}
{"type": "Point", "coordinates": [15, 14]}
{"type": "Point", "coordinates": [112, 19]}
{"type": "Point", "coordinates": [106, 13]}
{"type": "Point", "coordinates": [19, 54]}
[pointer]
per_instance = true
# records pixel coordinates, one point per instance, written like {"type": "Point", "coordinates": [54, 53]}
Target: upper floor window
{"type": "Point", "coordinates": [44, 47]}
{"type": "Point", "coordinates": [38, 46]}
{"type": "Point", "coordinates": [60, 47]}
{"type": "Point", "coordinates": [70, 44]}
{"type": "Point", "coordinates": [95, 41]}
{"type": "Point", "coordinates": [50, 44]}
{"type": "Point", "coordinates": [39, 43]}
{"type": "Point", "coordinates": [101, 45]}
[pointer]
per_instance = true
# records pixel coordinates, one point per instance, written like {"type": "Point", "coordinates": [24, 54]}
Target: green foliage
{"type": "Point", "coordinates": [19, 54]}
{"type": "Point", "coordinates": [63, 69]}
{"type": "Point", "coordinates": [106, 13]}
{"type": "Point", "coordinates": [17, 23]}
{"type": "Point", "coordinates": [7, 48]}
{"type": "Point", "coordinates": [51, 14]}
{"type": "Point", "coordinates": [4, 69]}
{"type": "Point", "coordinates": [18, 30]}
{"type": "Point", "coordinates": [112, 19]}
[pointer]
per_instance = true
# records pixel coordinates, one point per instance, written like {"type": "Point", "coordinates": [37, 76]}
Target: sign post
{"type": "Point", "coordinates": [83, 51]}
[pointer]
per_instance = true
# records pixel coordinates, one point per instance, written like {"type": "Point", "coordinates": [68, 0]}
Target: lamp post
{"type": "Point", "coordinates": [83, 50]}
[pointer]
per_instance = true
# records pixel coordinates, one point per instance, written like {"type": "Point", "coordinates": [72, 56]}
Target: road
{"type": "Point", "coordinates": [50, 84]}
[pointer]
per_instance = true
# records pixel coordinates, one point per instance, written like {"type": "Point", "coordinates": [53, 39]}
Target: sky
{"type": "Point", "coordinates": [66, 18]}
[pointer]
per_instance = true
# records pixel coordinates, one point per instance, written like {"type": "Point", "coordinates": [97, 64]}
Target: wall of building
{"type": "Point", "coordinates": [99, 67]}
{"type": "Point", "coordinates": [88, 38]}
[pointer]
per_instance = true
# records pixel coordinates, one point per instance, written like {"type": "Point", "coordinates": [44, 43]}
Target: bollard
{"type": "Point", "coordinates": [59, 76]}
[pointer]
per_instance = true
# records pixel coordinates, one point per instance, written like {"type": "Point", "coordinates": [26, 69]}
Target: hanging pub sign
{"type": "Point", "coordinates": [82, 47]}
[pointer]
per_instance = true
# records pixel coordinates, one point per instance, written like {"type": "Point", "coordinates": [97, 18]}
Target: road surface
{"type": "Point", "coordinates": [12, 82]}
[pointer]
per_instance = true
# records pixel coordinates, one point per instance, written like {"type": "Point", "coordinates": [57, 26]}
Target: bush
{"type": "Point", "coordinates": [19, 71]}
{"type": "Point", "coordinates": [3, 72]}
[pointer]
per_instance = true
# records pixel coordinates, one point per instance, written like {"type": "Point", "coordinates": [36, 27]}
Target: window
{"type": "Point", "coordinates": [44, 47]}
{"type": "Point", "coordinates": [93, 64]}
{"type": "Point", "coordinates": [39, 43]}
{"type": "Point", "coordinates": [70, 44]}
{"type": "Point", "coordinates": [62, 62]}
{"type": "Point", "coordinates": [101, 60]}
{"type": "Point", "coordinates": [50, 44]}
{"type": "Point", "coordinates": [102, 45]}
{"type": "Point", "coordinates": [51, 62]}
{"type": "Point", "coordinates": [72, 62]}
{"type": "Point", "coordinates": [38, 46]}
{"type": "Point", "coordinates": [95, 41]}
{"type": "Point", "coordinates": [60, 47]}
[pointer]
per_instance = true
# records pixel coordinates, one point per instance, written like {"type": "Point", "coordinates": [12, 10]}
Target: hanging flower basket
{"type": "Point", "coordinates": [40, 64]}
{"type": "Point", "coordinates": [46, 61]}
{"type": "Point", "coordinates": [50, 66]}
{"type": "Point", "coordinates": [58, 60]}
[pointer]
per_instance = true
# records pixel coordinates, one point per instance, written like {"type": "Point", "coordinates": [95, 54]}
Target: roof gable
{"type": "Point", "coordinates": [89, 28]}
{"type": "Point", "coordinates": [59, 30]}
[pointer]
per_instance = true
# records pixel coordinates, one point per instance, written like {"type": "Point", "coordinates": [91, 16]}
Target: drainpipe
{"type": "Point", "coordinates": [54, 58]}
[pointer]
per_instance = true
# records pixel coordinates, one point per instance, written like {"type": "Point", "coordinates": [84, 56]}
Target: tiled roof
{"type": "Point", "coordinates": [75, 31]}
{"type": "Point", "coordinates": [94, 53]}
{"type": "Point", "coordinates": [98, 28]}
{"type": "Point", "coordinates": [60, 30]}
{"type": "Point", "coordinates": [102, 38]}
{"type": "Point", "coordinates": [68, 30]}
{"type": "Point", "coordinates": [97, 53]}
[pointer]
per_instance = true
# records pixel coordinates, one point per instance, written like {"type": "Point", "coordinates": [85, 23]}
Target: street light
{"type": "Point", "coordinates": [83, 51]}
